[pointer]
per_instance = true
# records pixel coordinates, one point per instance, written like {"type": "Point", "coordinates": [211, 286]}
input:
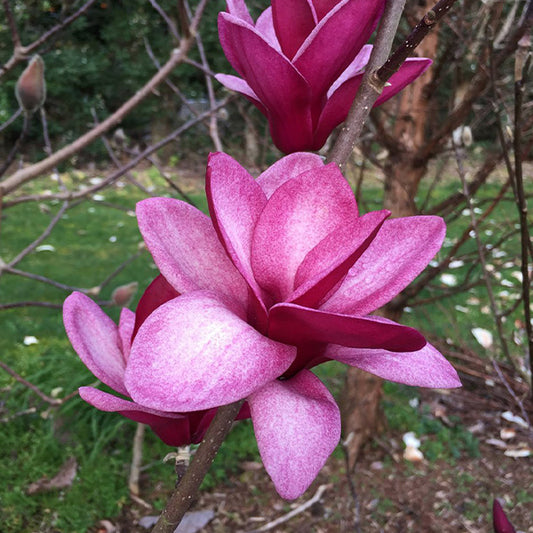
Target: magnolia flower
{"type": "Point", "coordinates": [500, 521]}
{"type": "Point", "coordinates": [281, 278]}
{"type": "Point", "coordinates": [302, 62]}
{"type": "Point", "coordinates": [105, 348]}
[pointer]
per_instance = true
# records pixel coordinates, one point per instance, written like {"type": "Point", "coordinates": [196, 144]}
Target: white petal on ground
{"type": "Point", "coordinates": [483, 336]}
{"type": "Point", "coordinates": [45, 248]}
{"type": "Point", "coordinates": [30, 339]}
{"type": "Point", "coordinates": [510, 417]}
{"type": "Point", "coordinates": [449, 280]}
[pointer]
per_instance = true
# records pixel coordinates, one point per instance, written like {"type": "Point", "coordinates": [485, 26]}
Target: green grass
{"type": "Point", "coordinates": [91, 241]}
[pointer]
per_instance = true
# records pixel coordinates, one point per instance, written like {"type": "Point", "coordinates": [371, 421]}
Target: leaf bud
{"type": "Point", "coordinates": [30, 89]}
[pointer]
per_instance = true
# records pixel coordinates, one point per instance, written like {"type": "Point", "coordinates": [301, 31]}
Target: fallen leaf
{"type": "Point", "coordinates": [483, 336]}
{"type": "Point", "coordinates": [507, 415]}
{"type": "Point", "coordinates": [61, 480]}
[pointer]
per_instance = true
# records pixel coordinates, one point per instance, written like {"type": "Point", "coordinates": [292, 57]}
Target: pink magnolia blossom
{"type": "Point", "coordinates": [105, 348]}
{"type": "Point", "coordinates": [302, 62]}
{"type": "Point", "coordinates": [281, 278]}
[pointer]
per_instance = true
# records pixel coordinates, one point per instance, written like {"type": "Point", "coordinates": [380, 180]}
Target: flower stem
{"type": "Point", "coordinates": [181, 499]}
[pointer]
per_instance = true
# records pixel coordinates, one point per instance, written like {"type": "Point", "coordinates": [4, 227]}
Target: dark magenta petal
{"type": "Point", "coordinates": [238, 9]}
{"type": "Point", "coordinates": [293, 22]}
{"type": "Point", "coordinates": [278, 85]}
{"type": "Point", "coordinates": [323, 7]}
{"type": "Point", "coordinates": [233, 83]}
{"type": "Point", "coordinates": [172, 428]}
{"type": "Point", "coordinates": [157, 293]}
{"type": "Point", "coordinates": [335, 41]}
{"type": "Point", "coordinates": [411, 69]}
{"type": "Point", "coordinates": [500, 521]}
{"type": "Point", "coordinates": [292, 324]}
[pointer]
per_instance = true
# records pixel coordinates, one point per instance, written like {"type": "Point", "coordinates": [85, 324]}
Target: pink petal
{"type": "Point", "coordinates": [401, 250]}
{"type": "Point", "coordinates": [326, 265]}
{"type": "Point", "coordinates": [335, 41]}
{"type": "Point", "coordinates": [411, 69]}
{"type": "Point", "coordinates": [296, 218]}
{"type": "Point", "coordinates": [286, 169]}
{"type": "Point", "coordinates": [422, 368]}
{"type": "Point", "coordinates": [233, 83]}
{"type": "Point", "coordinates": [265, 26]}
{"type": "Point", "coordinates": [297, 426]}
{"type": "Point", "coordinates": [278, 85]}
{"type": "Point", "coordinates": [195, 353]}
{"type": "Point", "coordinates": [235, 202]}
{"type": "Point", "coordinates": [297, 325]}
{"type": "Point", "coordinates": [238, 9]}
{"type": "Point", "coordinates": [96, 340]}
{"type": "Point", "coordinates": [293, 22]}
{"type": "Point", "coordinates": [186, 248]}
{"type": "Point", "coordinates": [157, 293]}
{"type": "Point", "coordinates": [172, 428]}
{"type": "Point", "coordinates": [355, 67]}
{"type": "Point", "coordinates": [126, 324]}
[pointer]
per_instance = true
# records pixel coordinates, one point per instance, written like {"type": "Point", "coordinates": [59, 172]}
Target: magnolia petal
{"type": "Point", "coordinates": [95, 339]}
{"type": "Point", "coordinates": [156, 294]}
{"type": "Point", "coordinates": [235, 202]}
{"type": "Point", "coordinates": [286, 169]}
{"type": "Point", "coordinates": [334, 42]}
{"type": "Point", "coordinates": [293, 22]}
{"type": "Point", "coordinates": [296, 218]}
{"type": "Point", "coordinates": [186, 248]}
{"type": "Point", "coordinates": [126, 324]}
{"type": "Point", "coordinates": [500, 521]}
{"type": "Point", "coordinates": [401, 250]}
{"type": "Point", "coordinates": [323, 7]}
{"type": "Point", "coordinates": [355, 67]}
{"type": "Point", "coordinates": [238, 9]}
{"type": "Point", "coordinates": [411, 69]}
{"type": "Point", "coordinates": [297, 426]}
{"type": "Point", "coordinates": [172, 428]}
{"type": "Point", "coordinates": [265, 26]}
{"type": "Point", "coordinates": [297, 325]}
{"type": "Point", "coordinates": [195, 353]}
{"type": "Point", "coordinates": [233, 83]}
{"type": "Point", "coordinates": [278, 85]}
{"type": "Point", "coordinates": [421, 368]}
{"type": "Point", "coordinates": [325, 266]}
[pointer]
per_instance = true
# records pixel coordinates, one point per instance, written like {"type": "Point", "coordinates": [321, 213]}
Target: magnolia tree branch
{"type": "Point", "coordinates": [181, 499]}
{"type": "Point", "coordinates": [72, 195]}
{"type": "Point", "coordinates": [370, 88]}
{"type": "Point", "coordinates": [37, 169]}
{"type": "Point", "coordinates": [380, 69]}
{"type": "Point", "coordinates": [21, 52]}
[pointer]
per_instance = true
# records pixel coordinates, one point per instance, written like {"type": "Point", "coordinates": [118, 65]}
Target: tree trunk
{"type": "Point", "coordinates": [362, 417]}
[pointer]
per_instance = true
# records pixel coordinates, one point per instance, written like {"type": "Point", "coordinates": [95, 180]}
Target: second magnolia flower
{"type": "Point", "coordinates": [281, 278]}
{"type": "Point", "coordinates": [302, 62]}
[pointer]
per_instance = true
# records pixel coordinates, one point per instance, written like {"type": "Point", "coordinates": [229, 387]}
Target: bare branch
{"type": "Point", "coordinates": [33, 171]}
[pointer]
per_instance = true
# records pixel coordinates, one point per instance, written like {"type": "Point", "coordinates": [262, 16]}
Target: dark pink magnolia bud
{"type": "Point", "coordinates": [30, 89]}
{"type": "Point", "coordinates": [499, 519]}
{"type": "Point", "coordinates": [122, 295]}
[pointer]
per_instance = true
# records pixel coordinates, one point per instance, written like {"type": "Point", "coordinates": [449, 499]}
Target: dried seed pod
{"type": "Point", "coordinates": [30, 89]}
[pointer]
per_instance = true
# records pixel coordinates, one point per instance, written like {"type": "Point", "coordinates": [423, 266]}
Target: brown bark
{"type": "Point", "coordinates": [360, 403]}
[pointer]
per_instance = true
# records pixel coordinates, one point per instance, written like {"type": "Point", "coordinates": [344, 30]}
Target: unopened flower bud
{"type": "Point", "coordinates": [122, 295]}
{"type": "Point", "coordinates": [30, 89]}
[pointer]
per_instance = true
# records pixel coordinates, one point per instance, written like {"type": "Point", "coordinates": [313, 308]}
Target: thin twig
{"type": "Point", "coordinates": [39, 239]}
{"type": "Point", "coordinates": [18, 143]}
{"type": "Point", "coordinates": [300, 509]}
{"type": "Point", "coordinates": [136, 460]}
{"type": "Point", "coordinates": [167, 19]}
{"type": "Point", "coordinates": [31, 386]}
{"type": "Point", "coordinates": [11, 119]}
